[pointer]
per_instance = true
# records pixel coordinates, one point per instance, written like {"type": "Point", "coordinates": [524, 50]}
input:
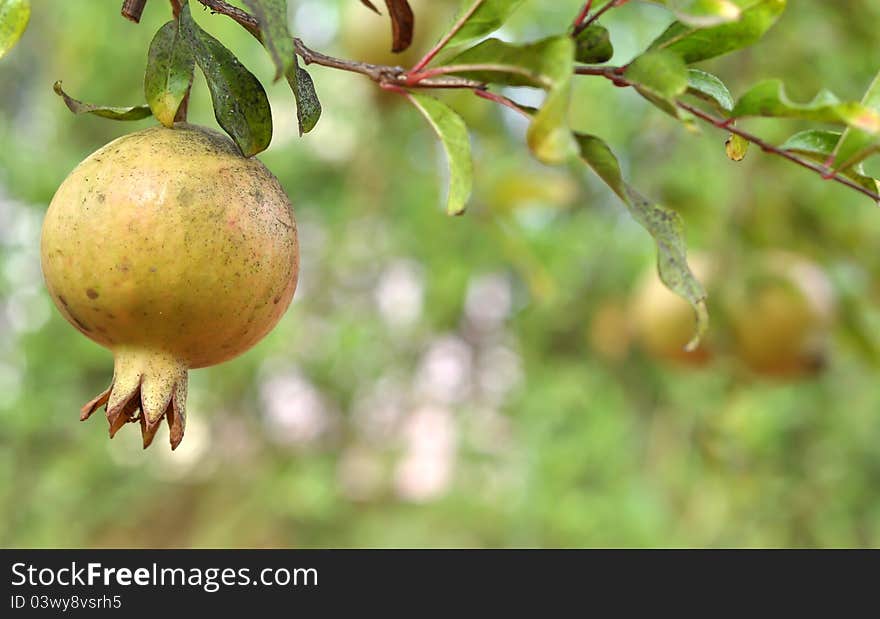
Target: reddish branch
{"type": "Point", "coordinates": [398, 79]}
{"type": "Point", "coordinates": [615, 75]}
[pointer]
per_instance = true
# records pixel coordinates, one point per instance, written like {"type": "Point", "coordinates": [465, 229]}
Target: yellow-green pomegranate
{"type": "Point", "coordinates": [175, 252]}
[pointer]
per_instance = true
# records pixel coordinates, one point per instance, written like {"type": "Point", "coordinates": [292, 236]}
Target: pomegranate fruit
{"type": "Point", "coordinates": [174, 251]}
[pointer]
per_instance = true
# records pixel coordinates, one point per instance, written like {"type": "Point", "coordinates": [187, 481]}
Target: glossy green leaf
{"type": "Point", "coordinates": [14, 17]}
{"type": "Point", "coordinates": [137, 112]}
{"type": "Point", "coordinates": [547, 64]}
{"type": "Point", "coordinates": [453, 134]}
{"type": "Point", "coordinates": [856, 144]}
{"type": "Point", "coordinates": [769, 99]}
{"type": "Point", "coordinates": [308, 106]}
{"type": "Point", "coordinates": [694, 44]}
{"type": "Point", "coordinates": [709, 88]}
{"type": "Point", "coordinates": [664, 225]}
{"type": "Point", "coordinates": [702, 13]}
{"type": "Point", "coordinates": [169, 74]}
{"type": "Point", "coordinates": [593, 45]}
{"type": "Point", "coordinates": [819, 145]}
{"type": "Point", "coordinates": [482, 18]}
{"type": "Point", "coordinates": [240, 103]}
{"type": "Point", "coordinates": [272, 17]}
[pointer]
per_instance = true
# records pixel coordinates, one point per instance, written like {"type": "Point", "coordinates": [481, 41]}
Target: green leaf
{"type": "Point", "coordinates": [660, 77]}
{"type": "Point", "coordinates": [593, 45]}
{"type": "Point", "coordinates": [240, 103]}
{"type": "Point", "coordinates": [14, 16]}
{"type": "Point", "coordinates": [769, 99]}
{"type": "Point", "coordinates": [272, 17]}
{"type": "Point", "coordinates": [662, 73]}
{"type": "Point", "coordinates": [482, 17]}
{"type": "Point", "coordinates": [169, 74]}
{"type": "Point", "coordinates": [856, 145]}
{"type": "Point", "coordinates": [709, 88]}
{"type": "Point", "coordinates": [818, 145]}
{"type": "Point", "coordinates": [137, 112]}
{"type": "Point", "coordinates": [308, 107]}
{"type": "Point", "coordinates": [547, 64]}
{"type": "Point", "coordinates": [663, 224]}
{"type": "Point", "coordinates": [451, 130]}
{"type": "Point", "coordinates": [702, 13]}
{"type": "Point", "coordinates": [694, 44]}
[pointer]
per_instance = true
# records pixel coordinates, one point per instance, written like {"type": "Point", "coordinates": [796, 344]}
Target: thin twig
{"type": "Point", "coordinates": [578, 24]}
{"type": "Point", "coordinates": [592, 19]}
{"type": "Point", "coordinates": [445, 39]}
{"type": "Point", "coordinates": [614, 75]}
{"type": "Point", "coordinates": [397, 79]}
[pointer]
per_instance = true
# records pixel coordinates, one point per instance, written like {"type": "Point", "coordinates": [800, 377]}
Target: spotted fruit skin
{"type": "Point", "coordinates": [174, 251]}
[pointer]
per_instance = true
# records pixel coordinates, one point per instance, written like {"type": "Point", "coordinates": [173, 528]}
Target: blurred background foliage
{"type": "Point", "coordinates": [488, 380]}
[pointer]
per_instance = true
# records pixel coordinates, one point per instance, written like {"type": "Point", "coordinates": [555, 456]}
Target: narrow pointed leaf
{"type": "Point", "coordinates": [137, 112]}
{"type": "Point", "coordinates": [169, 74]}
{"type": "Point", "coordinates": [14, 17]}
{"type": "Point", "coordinates": [663, 224]}
{"type": "Point", "coordinates": [240, 103]}
{"type": "Point", "coordinates": [308, 107]}
{"type": "Point", "coordinates": [402, 24]}
{"type": "Point", "coordinates": [272, 17]}
{"type": "Point", "coordinates": [451, 130]}
{"type": "Point", "coordinates": [694, 43]}
{"type": "Point", "coordinates": [770, 99]}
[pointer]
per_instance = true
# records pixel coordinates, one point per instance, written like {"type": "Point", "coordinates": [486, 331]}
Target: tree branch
{"type": "Point", "coordinates": [397, 79]}
{"type": "Point", "coordinates": [615, 75]}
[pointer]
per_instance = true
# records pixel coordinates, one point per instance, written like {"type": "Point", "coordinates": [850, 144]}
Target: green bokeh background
{"type": "Point", "coordinates": [433, 383]}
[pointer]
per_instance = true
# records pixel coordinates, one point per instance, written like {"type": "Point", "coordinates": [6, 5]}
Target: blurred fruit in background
{"type": "Point", "coordinates": [781, 313]}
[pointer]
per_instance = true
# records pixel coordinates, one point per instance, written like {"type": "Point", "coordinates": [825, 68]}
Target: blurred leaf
{"type": "Point", "coordinates": [240, 103]}
{"type": "Point", "coordinates": [137, 112]}
{"type": "Point", "coordinates": [402, 24]}
{"type": "Point", "coordinates": [818, 145]}
{"type": "Point", "coordinates": [593, 45]}
{"type": "Point", "coordinates": [547, 64]}
{"type": "Point", "coordinates": [694, 44]}
{"type": "Point", "coordinates": [702, 13]}
{"type": "Point", "coordinates": [769, 99]}
{"type": "Point", "coordinates": [272, 17]}
{"type": "Point", "coordinates": [169, 74]}
{"type": "Point", "coordinates": [663, 224]}
{"type": "Point", "coordinates": [709, 88]}
{"type": "Point", "coordinates": [453, 134]}
{"type": "Point", "coordinates": [856, 145]}
{"type": "Point", "coordinates": [14, 16]}
{"type": "Point", "coordinates": [308, 106]}
{"type": "Point", "coordinates": [483, 18]}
